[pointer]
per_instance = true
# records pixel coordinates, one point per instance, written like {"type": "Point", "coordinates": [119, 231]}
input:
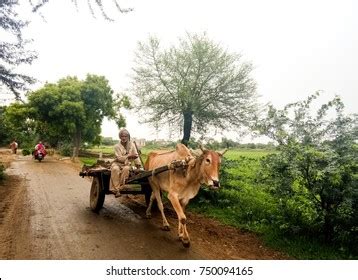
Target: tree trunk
{"type": "Point", "coordinates": [188, 122]}
{"type": "Point", "coordinates": [328, 228]}
{"type": "Point", "coordinates": [76, 143]}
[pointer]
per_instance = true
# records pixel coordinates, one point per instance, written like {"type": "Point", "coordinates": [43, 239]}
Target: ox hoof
{"type": "Point", "coordinates": [186, 243]}
{"type": "Point", "coordinates": [166, 228]}
{"type": "Point", "coordinates": [148, 216]}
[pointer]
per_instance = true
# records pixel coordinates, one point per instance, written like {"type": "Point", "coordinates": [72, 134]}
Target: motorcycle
{"type": "Point", "coordinates": [39, 154]}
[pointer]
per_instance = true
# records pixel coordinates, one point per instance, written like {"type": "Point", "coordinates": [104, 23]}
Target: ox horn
{"type": "Point", "coordinates": [222, 153]}
{"type": "Point", "coordinates": [202, 148]}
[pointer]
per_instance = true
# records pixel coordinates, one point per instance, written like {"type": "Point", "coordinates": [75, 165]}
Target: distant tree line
{"type": "Point", "coordinates": [211, 144]}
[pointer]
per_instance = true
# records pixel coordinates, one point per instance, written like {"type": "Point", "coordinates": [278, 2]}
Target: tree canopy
{"type": "Point", "coordinates": [72, 109]}
{"type": "Point", "coordinates": [193, 86]}
{"type": "Point", "coordinates": [13, 52]}
{"type": "Point", "coordinates": [15, 124]}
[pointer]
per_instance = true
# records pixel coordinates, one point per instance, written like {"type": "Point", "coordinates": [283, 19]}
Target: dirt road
{"type": "Point", "coordinates": [44, 214]}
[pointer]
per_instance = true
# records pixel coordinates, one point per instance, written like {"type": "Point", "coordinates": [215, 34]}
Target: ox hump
{"type": "Point", "coordinates": [182, 150]}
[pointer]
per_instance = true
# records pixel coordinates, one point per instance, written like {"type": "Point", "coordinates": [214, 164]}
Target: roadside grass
{"type": "Point", "coordinates": [296, 246]}
{"type": "Point", "coordinates": [304, 247]}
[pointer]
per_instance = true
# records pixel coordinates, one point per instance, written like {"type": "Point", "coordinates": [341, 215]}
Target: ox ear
{"type": "Point", "coordinates": [222, 153]}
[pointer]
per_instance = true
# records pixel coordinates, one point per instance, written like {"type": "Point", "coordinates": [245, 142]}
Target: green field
{"type": "Point", "coordinates": [235, 154]}
{"type": "Point", "coordinates": [103, 149]}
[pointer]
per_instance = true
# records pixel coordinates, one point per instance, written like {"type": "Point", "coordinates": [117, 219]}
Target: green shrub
{"type": "Point", "coordinates": [65, 149]}
{"type": "Point", "coordinates": [314, 174]}
{"type": "Point", "coordinates": [26, 151]}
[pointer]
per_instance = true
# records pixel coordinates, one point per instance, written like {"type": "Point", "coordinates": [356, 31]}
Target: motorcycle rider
{"type": "Point", "coordinates": [40, 148]}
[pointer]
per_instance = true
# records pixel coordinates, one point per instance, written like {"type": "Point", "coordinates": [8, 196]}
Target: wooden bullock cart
{"type": "Point", "coordinates": [137, 183]}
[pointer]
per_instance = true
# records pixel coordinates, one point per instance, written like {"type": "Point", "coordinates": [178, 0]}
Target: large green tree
{"type": "Point", "coordinates": [193, 86]}
{"type": "Point", "coordinates": [72, 109]}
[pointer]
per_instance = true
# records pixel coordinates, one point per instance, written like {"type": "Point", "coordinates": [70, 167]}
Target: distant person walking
{"type": "Point", "coordinates": [13, 146]}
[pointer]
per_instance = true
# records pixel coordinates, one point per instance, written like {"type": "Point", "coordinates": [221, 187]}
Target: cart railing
{"type": "Point", "coordinates": [135, 175]}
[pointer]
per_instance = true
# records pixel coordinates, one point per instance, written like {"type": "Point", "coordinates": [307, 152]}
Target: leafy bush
{"type": "Point", "coordinates": [314, 176]}
{"type": "Point", "coordinates": [26, 151]}
{"type": "Point", "coordinates": [65, 149]}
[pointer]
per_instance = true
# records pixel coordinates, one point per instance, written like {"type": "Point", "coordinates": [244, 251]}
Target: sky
{"type": "Point", "coordinates": [296, 47]}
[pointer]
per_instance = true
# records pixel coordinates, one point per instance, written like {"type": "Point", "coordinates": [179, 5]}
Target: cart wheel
{"type": "Point", "coordinates": [97, 195]}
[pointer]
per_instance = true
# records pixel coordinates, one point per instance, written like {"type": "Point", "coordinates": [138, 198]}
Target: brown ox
{"type": "Point", "coordinates": [182, 184]}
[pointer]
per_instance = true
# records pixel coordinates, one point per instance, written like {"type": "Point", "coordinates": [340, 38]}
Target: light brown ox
{"type": "Point", "coordinates": [182, 184]}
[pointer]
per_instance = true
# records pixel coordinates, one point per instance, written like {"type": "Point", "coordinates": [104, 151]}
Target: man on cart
{"type": "Point", "coordinates": [126, 155]}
